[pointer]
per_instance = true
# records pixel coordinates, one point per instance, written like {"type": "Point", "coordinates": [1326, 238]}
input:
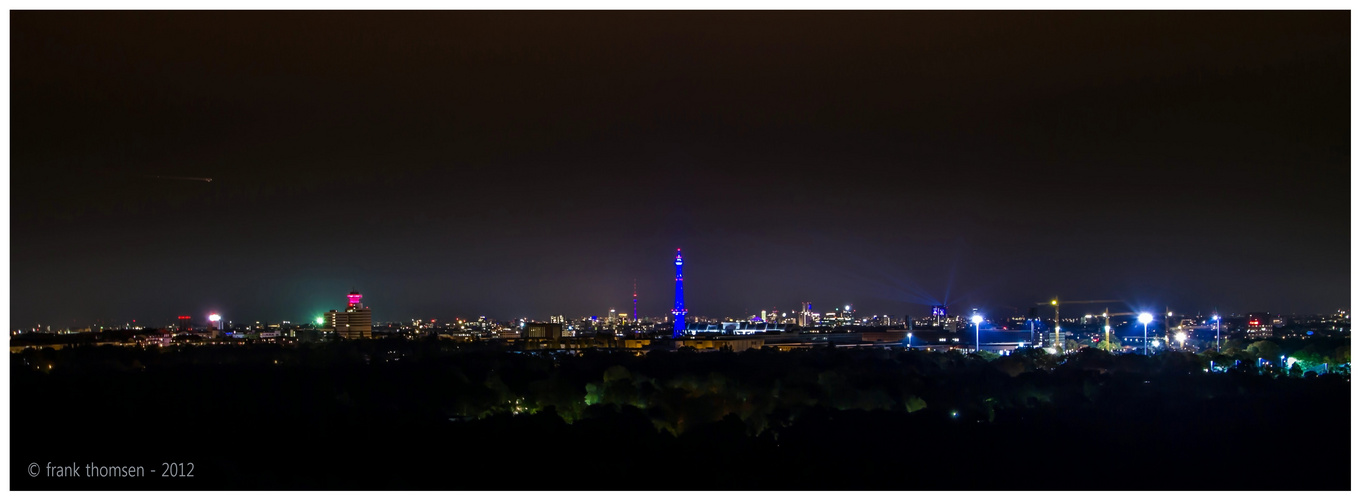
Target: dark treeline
{"type": "Point", "coordinates": [393, 414]}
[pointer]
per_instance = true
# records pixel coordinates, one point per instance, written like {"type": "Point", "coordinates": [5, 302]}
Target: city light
{"type": "Point", "coordinates": [214, 317]}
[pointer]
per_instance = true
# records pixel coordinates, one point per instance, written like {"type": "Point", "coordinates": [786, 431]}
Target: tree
{"type": "Point", "coordinates": [914, 404]}
{"type": "Point", "coordinates": [1233, 347]}
{"type": "Point", "coordinates": [1010, 365]}
{"type": "Point", "coordinates": [1265, 349]}
{"type": "Point", "coordinates": [1296, 370]}
{"type": "Point", "coordinates": [617, 372]}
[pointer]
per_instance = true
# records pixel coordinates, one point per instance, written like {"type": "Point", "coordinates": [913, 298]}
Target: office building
{"type": "Point", "coordinates": [549, 331]}
{"type": "Point", "coordinates": [355, 322]}
{"type": "Point", "coordinates": [1260, 325]}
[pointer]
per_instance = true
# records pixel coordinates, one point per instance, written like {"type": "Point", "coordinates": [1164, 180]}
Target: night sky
{"type": "Point", "coordinates": [531, 164]}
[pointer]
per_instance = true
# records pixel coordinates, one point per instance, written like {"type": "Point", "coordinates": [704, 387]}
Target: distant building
{"type": "Point", "coordinates": [1260, 325]}
{"type": "Point", "coordinates": [355, 322]}
{"type": "Point", "coordinates": [158, 338]}
{"type": "Point", "coordinates": [185, 323]}
{"type": "Point", "coordinates": [715, 344]}
{"type": "Point", "coordinates": [550, 331]}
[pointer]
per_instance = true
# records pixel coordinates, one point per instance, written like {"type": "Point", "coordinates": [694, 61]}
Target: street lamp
{"type": "Point", "coordinates": [1107, 338]}
{"type": "Point", "coordinates": [1217, 333]}
{"type": "Point", "coordinates": [1057, 320]}
{"type": "Point", "coordinates": [1145, 318]}
{"type": "Point", "coordinates": [1180, 337]}
{"type": "Point", "coordinates": [908, 341]}
{"type": "Point", "coordinates": [977, 332]}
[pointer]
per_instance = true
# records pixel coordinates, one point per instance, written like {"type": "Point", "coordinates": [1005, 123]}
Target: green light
{"type": "Point", "coordinates": [320, 320]}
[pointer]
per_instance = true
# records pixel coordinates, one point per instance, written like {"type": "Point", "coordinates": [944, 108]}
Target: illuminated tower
{"type": "Point", "coordinates": [635, 301]}
{"type": "Point", "coordinates": [679, 310]}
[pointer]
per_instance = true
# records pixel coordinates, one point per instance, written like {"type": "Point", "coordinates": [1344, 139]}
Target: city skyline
{"type": "Point", "coordinates": [916, 308]}
{"type": "Point", "coordinates": [521, 164]}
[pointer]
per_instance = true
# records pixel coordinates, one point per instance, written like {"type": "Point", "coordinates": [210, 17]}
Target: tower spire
{"type": "Point", "coordinates": [679, 310]}
{"type": "Point", "coordinates": [634, 300]}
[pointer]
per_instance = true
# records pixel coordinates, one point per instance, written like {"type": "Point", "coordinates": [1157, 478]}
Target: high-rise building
{"type": "Point", "coordinates": [355, 322]}
{"type": "Point", "coordinates": [1259, 325]}
{"type": "Point", "coordinates": [938, 315]}
{"type": "Point", "coordinates": [185, 323]}
{"type": "Point", "coordinates": [679, 310]}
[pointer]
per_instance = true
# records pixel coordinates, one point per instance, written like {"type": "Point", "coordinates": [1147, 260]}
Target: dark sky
{"type": "Point", "coordinates": [530, 164]}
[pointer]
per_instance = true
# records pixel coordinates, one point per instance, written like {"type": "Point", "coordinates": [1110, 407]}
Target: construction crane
{"type": "Point", "coordinates": [1057, 320]}
{"type": "Point", "coordinates": [1107, 314]}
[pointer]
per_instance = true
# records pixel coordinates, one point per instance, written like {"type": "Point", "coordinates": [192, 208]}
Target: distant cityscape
{"type": "Point", "coordinates": [1102, 324]}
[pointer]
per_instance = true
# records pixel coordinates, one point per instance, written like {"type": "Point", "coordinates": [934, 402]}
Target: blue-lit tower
{"type": "Point", "coordinates": [679, 310]}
